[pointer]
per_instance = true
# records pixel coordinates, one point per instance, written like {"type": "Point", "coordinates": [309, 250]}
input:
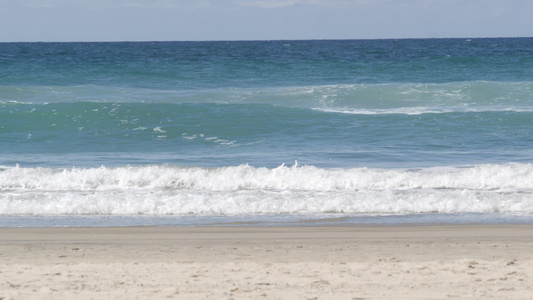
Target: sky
{"type": "Point", "coordinates": [192, 20]}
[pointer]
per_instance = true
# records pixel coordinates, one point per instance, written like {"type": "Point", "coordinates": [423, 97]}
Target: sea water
{"type": "Point", "coordinates": [266, 132]}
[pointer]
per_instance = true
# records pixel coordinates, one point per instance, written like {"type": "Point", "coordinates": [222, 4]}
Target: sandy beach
{"type": "Point", "coordinates": [382, 262]}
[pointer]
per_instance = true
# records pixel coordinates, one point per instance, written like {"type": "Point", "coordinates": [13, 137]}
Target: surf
{"type": "Point", "coordinates": [244, 190]}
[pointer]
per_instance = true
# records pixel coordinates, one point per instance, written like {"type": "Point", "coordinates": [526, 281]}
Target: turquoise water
{"type": "Point", "coordinates": [428, 129]}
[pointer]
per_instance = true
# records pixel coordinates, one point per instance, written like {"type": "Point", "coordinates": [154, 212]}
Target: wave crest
{"type": "Point", "coordinates": [384, 98]}
{"type": "Point", "coordinates": [162, 190]}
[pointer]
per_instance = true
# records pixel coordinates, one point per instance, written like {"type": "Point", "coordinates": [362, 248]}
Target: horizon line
{"type": "Point", "coordinates": [267, 40]}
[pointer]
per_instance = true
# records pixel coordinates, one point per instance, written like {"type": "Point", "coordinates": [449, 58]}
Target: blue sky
{"type": "Point", "coordinates": [171, 20]}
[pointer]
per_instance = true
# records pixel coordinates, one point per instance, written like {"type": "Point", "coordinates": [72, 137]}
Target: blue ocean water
{"type": "Point", "coordinates": [266, 132]}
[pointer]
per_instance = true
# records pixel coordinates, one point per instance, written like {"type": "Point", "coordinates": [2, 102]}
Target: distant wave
{"type": "Point", "coordinates": [434, 97]}
{"type": "Point", "coordinates": [171, 190]}
{"type": "Point", "coordinates": [423, 110]}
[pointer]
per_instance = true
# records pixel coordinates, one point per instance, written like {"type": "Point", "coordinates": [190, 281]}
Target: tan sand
{"type": "Point", "coordinates": [403, 262]}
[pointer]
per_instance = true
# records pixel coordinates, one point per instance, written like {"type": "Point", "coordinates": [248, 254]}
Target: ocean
{"type": "Point", "coordinates": [253, 133]}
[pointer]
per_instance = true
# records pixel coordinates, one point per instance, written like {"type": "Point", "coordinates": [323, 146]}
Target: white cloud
{"type": "Point", "coordinates": [274, 3]}
{"type": "Point", "coordinates": [165, 3]}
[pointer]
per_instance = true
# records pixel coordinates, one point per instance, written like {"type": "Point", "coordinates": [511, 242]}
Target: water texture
{"type": "Point", "coordinates": [297, 130]}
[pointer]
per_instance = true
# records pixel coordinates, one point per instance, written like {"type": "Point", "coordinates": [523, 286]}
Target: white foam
{"type": "Point", "coordinates": [212, 139]}
{"type": "Point", "coordinates": [420, 110]}
{"type": "Point", "coordinates": [163, 190]}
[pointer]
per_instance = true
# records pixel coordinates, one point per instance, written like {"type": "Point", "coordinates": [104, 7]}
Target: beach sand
{"type": "Point", "coordinates": [380, 262]}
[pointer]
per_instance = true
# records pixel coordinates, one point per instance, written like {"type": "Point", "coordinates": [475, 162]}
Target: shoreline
{"type": "Point", "coordinates": [341, 220]}
{"type": "Point", "coordinates": [294, 262]}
